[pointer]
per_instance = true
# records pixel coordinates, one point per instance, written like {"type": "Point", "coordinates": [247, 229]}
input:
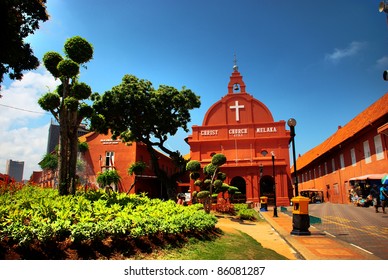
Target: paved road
{"type": "Point", "coordinates": [359, 226]}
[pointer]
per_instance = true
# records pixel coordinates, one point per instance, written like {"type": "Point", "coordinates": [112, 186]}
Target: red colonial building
{"type": "Point", "coordinates": [256, 147]}
{"type": "Point", "coordinates": [356, 154]}
{"type": "Point", "coordinates": [104, 153]}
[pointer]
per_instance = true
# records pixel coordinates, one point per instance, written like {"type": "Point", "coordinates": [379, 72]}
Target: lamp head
{"type": "Point", "coordinates": [264, 153]}
{"type": "Point", "coordinates": [385, 75]}
{"type": "Point", "coordinates": [383, 7]}
{"type": "Point", "coordinates": [291, 122]}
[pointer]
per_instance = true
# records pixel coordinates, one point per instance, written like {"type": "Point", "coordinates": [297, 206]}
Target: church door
{"type": "Point", "coordinates": [240, 183]}
{"type": "Point", "coordinates": [267, 188]}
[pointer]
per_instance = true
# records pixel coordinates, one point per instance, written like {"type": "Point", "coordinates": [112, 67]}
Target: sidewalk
{"type": "Point", "coordinates": [318, 245]}
{"type": "Point", "coordinates": [275, 233]}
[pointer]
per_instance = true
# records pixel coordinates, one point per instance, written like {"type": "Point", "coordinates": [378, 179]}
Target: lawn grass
{"type": "Point", "coordinates": [227, 246]}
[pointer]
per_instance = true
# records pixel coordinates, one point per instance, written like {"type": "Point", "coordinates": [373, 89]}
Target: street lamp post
{"type": "Point", "coordinates": [300, 216]}
{"type": "Point", "coordinates": [275, 209]}
{"type": "Point", "coordinates": [292, 123]}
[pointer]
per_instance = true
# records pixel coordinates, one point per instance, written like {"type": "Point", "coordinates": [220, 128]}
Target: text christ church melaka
{"type": "Point", "coordinates": [256, 147]}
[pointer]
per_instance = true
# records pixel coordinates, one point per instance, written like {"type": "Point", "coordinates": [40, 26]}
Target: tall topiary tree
{"type": "Point", "coordinates": [67, 104]}
{"type": "Point", "coordinates": [212, 182]}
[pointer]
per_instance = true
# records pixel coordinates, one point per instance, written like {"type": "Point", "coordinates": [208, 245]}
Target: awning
{"type": "Point", "coordinates": [383, 129]}
{"type": "Point", "coordinates": [368, 177]}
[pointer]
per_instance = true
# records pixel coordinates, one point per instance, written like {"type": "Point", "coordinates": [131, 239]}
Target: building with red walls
{"type": "Point", "coordinates": [243, 129]}
{"type": "Point", "coordinates": [105, 153]}
{"type": "Point", "coordinates": [355, 154]}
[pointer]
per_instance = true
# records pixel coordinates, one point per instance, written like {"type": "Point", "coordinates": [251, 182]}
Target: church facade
{"type": "Point", "coordinates": [255, 145]}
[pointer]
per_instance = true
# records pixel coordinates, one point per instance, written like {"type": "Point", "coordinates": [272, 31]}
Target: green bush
{"type": "Point", "coordinates": [40, 214]}
{"type": "Point", "coordinates": [244, 213]}
{"type": "Point", "coordinates": [193, 166]}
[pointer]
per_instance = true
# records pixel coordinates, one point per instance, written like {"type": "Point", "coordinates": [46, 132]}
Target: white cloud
{"type": "Point", "coordinates": [382, 62]}
{"type": "Point", "coordinates": [24, 125]}
{"type": "Point", "coordinates": [338, 54]}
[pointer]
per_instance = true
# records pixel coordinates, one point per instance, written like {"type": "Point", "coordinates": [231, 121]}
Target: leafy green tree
{"type": "Point", "coordinates": [107, 178]}
{"type": "Point", "coordinates": [49, 162]}
{"type": "Point", "coordinates": [212, 182]}
{"type": "Point", "coordinates": [19, 19]}
{"type": "Point", "coordinates": [67, 104]}
{"type": "Point", "coordinates": [136, 112]}
{"type": "Point", "coordinates": [138, 169]}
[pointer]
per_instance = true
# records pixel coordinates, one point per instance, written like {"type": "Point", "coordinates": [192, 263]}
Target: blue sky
{"type": "Point", "coordinates": [320, 62]}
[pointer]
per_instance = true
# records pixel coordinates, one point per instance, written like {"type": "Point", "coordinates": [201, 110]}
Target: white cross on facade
{"type": "Point", "coordinates": [237, 107]}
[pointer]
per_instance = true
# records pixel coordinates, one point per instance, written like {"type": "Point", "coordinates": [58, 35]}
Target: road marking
{"type": "Point", "coordinates": [354, 228]}
{"type": "Point", "coordinates": [362, 249]}
{"type": "Point", "coordinates": [328, 233]}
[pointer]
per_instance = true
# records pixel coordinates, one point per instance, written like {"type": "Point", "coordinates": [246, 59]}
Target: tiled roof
{"type": "Point", "coordinates": [365, 118]}
{"type": "Point", "coordinates": [84, 137]}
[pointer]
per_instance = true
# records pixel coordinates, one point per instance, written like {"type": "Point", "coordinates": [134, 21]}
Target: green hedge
{"type": "Point", "coordinates": [244, 213]}
{"type": "Point", "coordinates": [40, 214]}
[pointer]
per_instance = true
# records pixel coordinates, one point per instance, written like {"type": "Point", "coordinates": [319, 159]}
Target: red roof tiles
{"type": "Point", "coordinates": [365, 118]}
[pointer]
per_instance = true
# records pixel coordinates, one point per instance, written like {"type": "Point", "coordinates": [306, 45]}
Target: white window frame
{"type": "Point", "coordinates": [379, 147]}
{"type": "Point", "coordinates": [342, 161]}
{"type": "Point", "coordinates": [367, 155]}
{"type": "Point", "coordinates": [109, 158]}
{"type": "Point", "coordinates": [353, 156]}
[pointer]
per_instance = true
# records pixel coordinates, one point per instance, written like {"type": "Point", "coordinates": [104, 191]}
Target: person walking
{"type": "Point", "coordinates": [374, 192]}
{"type": "Point", "coordinates": [384, 197]}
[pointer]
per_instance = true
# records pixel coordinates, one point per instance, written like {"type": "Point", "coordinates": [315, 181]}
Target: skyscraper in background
{"type": "Point", "coordinates": [15, 169]}
{"type": "Point", "coordinates": [53, 137]}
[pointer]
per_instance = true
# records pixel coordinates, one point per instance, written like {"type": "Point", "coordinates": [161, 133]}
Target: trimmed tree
{"type": "Point", "coordinates": [212, 182]}
{"type": "Point", "coordinates": [67, 104]}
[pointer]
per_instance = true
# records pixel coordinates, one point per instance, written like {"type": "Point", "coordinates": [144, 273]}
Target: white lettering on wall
{"type": "Point", "coordinates": [209, 132]}
{"type": "Point", "coordinates": [109, 142]}
{"type": "Point", "coordinates": [238, 131]}
{"type": "Point", "coordinates": [266, 129]}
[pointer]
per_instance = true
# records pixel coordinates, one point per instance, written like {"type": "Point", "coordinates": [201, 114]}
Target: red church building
{"type": "Point", "coordinates": [256, 147]}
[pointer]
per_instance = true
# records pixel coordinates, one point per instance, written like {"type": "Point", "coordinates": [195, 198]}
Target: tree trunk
{"type": "Point", "coordinates": [73, 150]}
{"type": "Point", "coordinates": [63, 144]}
{"type": "Point", "coordinates": [68, 148]}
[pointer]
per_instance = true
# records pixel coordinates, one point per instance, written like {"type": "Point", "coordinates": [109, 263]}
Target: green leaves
{"type": "Point", "coordinates": [68, 68]}
{"type": "Point", "coordinates": [137, 168]}
{"type": "Point", "coordinates": [41, 214]}
{"type": "Point", "coordinates": [78, 49]}
{"type": "Point", "coordinates": [81, 91]}
{"type": "Point", "coordinates": [66, 105]}
{"type": "Point", "coordinates": [108, 177]}
{"type": "Point", "coordinates": [19, 19]}
{"type": "Point", "coordinates": [71, 103]}
{"type": "Point", "coordinates": [218, 159]}
{"type": "Point", "coordinates": [50, 101]}
{"type": "Point", "coordinates": [49, 162]}
{"type": "Point", "coordinates": [50, 61]}
{"type": "Point", "coordinates": [145, 111]}
{"type": "Point", "coordinates": [193, 165]}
